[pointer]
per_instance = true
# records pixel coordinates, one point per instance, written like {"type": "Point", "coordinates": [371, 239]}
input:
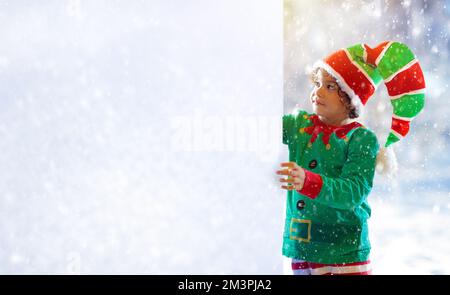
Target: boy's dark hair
{"type": "Point", "coordinates": [352, 111]}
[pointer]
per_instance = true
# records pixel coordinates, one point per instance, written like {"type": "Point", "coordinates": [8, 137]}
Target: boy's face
{"type": "Point", "coordinates": [325, 97]}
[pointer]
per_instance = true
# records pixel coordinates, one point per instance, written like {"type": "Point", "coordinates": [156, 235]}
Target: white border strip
{"type": "Point", "coordinates": [341, 269]}
{"type": "Point", "coordinates": [402, 118]}
{"type": "Point", "coordinates": [349, 56]}
{"type": "Point", "coordinates": [397, 134]}
{"type": "Point", "coordinates": [351, 269]}
{"type": "Point", "coordinates": [364, 52]}
{"type": "Point", "coordinates": [404, 68]}
{"type": "Point", "coordinates": [383, 52]}
{"type": "Point", "coordinates": [418, 91]}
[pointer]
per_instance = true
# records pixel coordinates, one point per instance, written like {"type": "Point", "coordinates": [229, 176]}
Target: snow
{"type": "Point", "coordinates": [142, 137]}
{"type": "Point", "coordinates": [416, 241]}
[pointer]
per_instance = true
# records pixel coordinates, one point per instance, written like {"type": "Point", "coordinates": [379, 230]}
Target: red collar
{"type": "Point", "coordinates": [320, 127]}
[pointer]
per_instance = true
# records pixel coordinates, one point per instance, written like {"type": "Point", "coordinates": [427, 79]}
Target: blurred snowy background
{"type": "Point", "coordinates": [410, 214]}
{"type": "Point", "coordinates": [142, 137]}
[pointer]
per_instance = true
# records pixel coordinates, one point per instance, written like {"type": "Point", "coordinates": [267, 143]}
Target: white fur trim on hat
{"type": "Point", "coordinates": [354, 98]}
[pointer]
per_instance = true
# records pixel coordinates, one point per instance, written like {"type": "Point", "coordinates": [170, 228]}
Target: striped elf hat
{"type": "Point", "coordinates": [359, 70]}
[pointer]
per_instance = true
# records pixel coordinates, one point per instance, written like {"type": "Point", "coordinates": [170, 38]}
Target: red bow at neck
{"type": "Point", "coordinates": [320, 127]}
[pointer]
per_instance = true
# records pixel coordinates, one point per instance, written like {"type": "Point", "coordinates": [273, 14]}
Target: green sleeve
{"type": "Point", "coordinates": [291, 124]}
{"type": "Point", "coordinates": [354, 184]}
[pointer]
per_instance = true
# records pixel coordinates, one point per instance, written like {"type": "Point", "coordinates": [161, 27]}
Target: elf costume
{"type": "Point", "coordinates": [326, 221]}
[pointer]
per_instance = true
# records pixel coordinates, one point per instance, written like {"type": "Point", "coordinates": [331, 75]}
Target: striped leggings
{"type": "Point", "coordinates": [300, 267]}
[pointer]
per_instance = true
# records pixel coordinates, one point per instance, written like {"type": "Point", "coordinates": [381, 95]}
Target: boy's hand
{"type": "Point", "coordinates": [296, 176]}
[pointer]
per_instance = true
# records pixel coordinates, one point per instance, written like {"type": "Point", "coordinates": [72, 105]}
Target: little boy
{"type": "Point", "coordinates": [332, 157]}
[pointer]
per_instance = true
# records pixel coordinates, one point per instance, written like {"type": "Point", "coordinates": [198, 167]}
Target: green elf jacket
{"type": "Point", "coordinates": [326, 221]}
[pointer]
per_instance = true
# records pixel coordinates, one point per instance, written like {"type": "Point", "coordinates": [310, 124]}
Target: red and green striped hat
{"type": "Point", "coordinates": [359, 70]}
